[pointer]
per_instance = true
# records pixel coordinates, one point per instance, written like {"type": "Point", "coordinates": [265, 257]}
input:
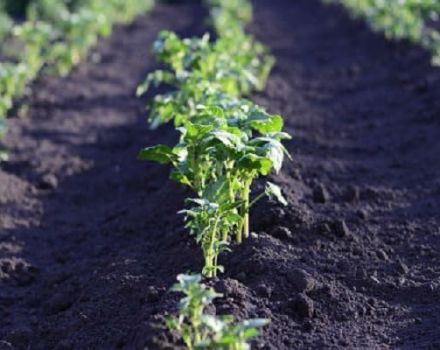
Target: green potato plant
{"type": "Point", "coordinates": [13, 79]}
{"type": "Point", "coordinates": [77, 26]}
{"type": "Point", "coordinates": [210, 223]}
{"type": "Point", "coordinates": [200, 69]}
{"type": "Point", "coordinates": [33, 37]}
{"type": "Point", "coordinates": [55, 37]}
{"type": "Point", "coordinates": [199, 330]}
{"type": "Point", "coordinates": [219, 158]}
{"type": "Point", "coordinates": [229, 16]}
{"type": "Point", "coordinates": [226, 141]}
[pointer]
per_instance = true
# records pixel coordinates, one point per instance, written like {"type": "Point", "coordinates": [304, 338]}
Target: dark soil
{"type": "Point", "coordinates": [90, 241]}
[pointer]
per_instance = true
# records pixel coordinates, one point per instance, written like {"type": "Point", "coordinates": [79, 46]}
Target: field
{"type": "Point", "coordinates": [90, 238]}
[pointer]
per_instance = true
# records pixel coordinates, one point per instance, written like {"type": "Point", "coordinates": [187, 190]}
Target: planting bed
{"type": "Point", "coordinates": [90, 241]}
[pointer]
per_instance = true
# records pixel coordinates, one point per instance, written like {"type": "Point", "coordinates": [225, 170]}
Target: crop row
{"type": "Point", "coordinates": [226, 142]}
{"type": "Point", "coordinates": [56, 36]}
{"type": "Point", "coordinates": [401, 19]}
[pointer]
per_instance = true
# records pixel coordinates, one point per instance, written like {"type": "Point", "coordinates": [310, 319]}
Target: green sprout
{"type": "Point", "coordinates": [199, 330]}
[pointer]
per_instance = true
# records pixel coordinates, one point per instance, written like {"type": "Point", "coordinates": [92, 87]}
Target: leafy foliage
{"type": "Point", "coordinates": [203, 331]}
{"type": "Point", "coordinates": [57, 34]}
{"type": "Point", "coordinates": [226, 141]}
{"type": "Point", "coordinates": [204, 72]}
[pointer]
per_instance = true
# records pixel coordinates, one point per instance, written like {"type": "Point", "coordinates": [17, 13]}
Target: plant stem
{"type": "Point", "coordinates": [195, 322]}
{"type": "Point", "coordinates": [215, 264]}
{"type": "Point", "coordinates": [245, 207]}
{"type": "Point", "coordinates": [196, 173]}
{"type": "Point", "coordinates": [256, 199]}
{"type": "Point", "coordinates": [238, 235]}
{"type": "Point", "coordinates": [209, 265]}
{"type": "Point", "coordinates": [246, 225]}
{"type": "Point", "coordinates": [210, 255]}
{"type": "Point", "coordinates": [225, 236]}
{"type": "Point", "coordinates": [243, 227]}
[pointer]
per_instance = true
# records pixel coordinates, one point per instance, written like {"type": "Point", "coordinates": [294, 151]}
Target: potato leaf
{"type": "Point", "coordinates": [228, 139]}
{"type": "Point", "coordinates": [180, 177]}
{"type": "Point", "coordinates": [265, 123]}
{"type": "Point", "coordinates": [217, 191]}
{"type": "Point", "coordinates": [155, 78]}
{"type": "Point", "coordinates": [160, 153]}
{"type": "Point", "coordinates": [251, 162]}
{"type": "Point", "coordinates": [197, 131]}
{"type": "Point", "coordinates": [273, 191]}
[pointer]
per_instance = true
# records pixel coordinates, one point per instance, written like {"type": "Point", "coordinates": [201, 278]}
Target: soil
{"type": "Point", "coordinates": [90, 240]}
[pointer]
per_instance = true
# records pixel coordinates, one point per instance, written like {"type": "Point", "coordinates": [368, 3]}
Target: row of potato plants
{"type": "Point", "coordinates": [226, 142]}
{"type": "Point", "coordinates": [401, 19]}
{"type": "Point", "coordinates": [55, 36]}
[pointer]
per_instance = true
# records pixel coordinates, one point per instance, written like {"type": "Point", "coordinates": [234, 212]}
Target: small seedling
{"type": "Point", "coordinates": [199, 330]}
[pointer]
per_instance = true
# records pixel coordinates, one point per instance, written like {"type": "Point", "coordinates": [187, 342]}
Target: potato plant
{"type": "Point", "coordinates": [199, 330]}
{"type": "Point", "coordinates": [229, 15]}
{"type": "Point", "coordinates": [77, 27]}
{"type": "Point", "coordinates": [226, 141]}
{"type": "Point", "coordinates": [56, 35]}
{"type": "Point", "coordinates": [219, 159]}
{"type": "Point", "coordinates": [200, 69]}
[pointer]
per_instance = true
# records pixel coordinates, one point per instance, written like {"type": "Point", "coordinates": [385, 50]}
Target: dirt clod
{"type": "Point", "coordinates": [4, 345]}
{"type": "Point", "coordinates": [382, 255]}
{"type": "Point", "coordinates": [264, 290]}
{"type": "Point", "coordinates": [362, 214]}
{"type": "Point", "coordinates": [153, 294]}
{"type": "Point", "coordinates": [20, 337]}
{"type": "Point", "coordinates": [48, 182]}
{"type": "Point", "coordinates": [340, 228]}
{"type": "Point", "coordinates": [320, 194]}
{"type": "Point", "coordinates": [352, 194]}
{"type": "Point", "coordinates": [301, 280]}
{"type": "Point", "coordinates": [282, 232]}
{"type": "Point", "coordinates": [60, 302]}
{"type": "Point", "coordinates": [302, 306]}
{"type": "Point", "coordinates": [402, 267]}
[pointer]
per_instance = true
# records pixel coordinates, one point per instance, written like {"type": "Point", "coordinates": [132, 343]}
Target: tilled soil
{"type": "Point", "coordinates": [90, 240]}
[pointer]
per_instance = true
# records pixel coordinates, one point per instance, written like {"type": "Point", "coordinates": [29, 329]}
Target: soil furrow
{"type": "Point", "coordinates": [364, 185]}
